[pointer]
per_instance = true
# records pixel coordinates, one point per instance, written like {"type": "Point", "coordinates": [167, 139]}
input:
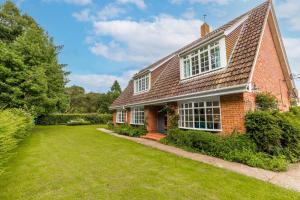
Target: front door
{"type": "Point", "coordinates": [162, 121]}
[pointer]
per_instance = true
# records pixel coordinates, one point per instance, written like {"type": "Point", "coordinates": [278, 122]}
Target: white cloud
{"type": "Point", "coordinates": [144, 41]}
{"type": "Point", "coordinates": [76, 2]}
{"type": "Point", "coordinates": [110, 11]}
{"type": "Point", "coordinates": [83, 15]}
{"type": "Point", "coordinates": [138, 3]}
{"type": "Point", "coordinates": [100, 82]}
{"type": "Point", "coordinates": [290, 11]}
{"type": "Point", "coordinates": [221, 2]}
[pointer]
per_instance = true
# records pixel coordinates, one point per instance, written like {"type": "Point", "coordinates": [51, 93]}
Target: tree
{"type": "Point", "coordinates": [116, 88]}
{"type": "Point", "coordinates": [31, 76]}
{"type": "Point", "coordinates": [81, 102]}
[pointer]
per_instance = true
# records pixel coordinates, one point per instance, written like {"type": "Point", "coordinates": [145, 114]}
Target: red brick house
{"type": "Point", "coordinates": [212, 82]}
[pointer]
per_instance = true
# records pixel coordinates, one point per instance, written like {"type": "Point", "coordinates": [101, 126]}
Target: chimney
{"type": "Point", "coordinates": [204, 29]}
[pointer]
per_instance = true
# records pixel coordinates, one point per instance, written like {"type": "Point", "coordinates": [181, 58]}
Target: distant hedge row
{"type": "Point", "coordinates": [15, 125]}
{"type": "Point", "coordinates": [60, 119]}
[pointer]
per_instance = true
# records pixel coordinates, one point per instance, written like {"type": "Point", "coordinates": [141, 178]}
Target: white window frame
{"type": "Point", "coordinates": [192, 115]}
{"type": "Point", "coordinates": [121, 116]}
{"type": "Point", "coordinates": [142, 84]}
{"type": "Point", "coordinates": [188, 58]}
{"type": "Point", "coordinates": [137, 115]}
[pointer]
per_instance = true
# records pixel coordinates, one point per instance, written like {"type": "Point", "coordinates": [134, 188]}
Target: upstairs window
{"type": "Point", "coordinates": [121, 116]}
{"type": "Point", "coordinates": [207, 58]}
{"type": "Point", "coordinates": [142, 84]}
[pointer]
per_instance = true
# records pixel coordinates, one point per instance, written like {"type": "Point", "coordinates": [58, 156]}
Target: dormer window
{"type": "Point", "coordinates": [206, 58]}
{"type": "Point", "coordinates": [142, 84]}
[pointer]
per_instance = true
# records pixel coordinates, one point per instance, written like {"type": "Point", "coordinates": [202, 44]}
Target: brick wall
{"type": "Point", "coordinates": [232, 111]}
{"type": "Point", "coordinates": [151, 118]}
{"type": "Point", "coordinates": [268, 75]}
{"type": "Point", "coordinates": [115, 117]}
{"type": "Point", "coordinates": [128, 116]}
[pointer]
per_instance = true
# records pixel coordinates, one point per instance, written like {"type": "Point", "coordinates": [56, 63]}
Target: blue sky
{"type": "Point", "coordinates": [107, 40]}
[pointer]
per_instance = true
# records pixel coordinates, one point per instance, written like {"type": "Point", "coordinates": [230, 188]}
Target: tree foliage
{"type": "Point", "coordinates": [82, 102]}
{"type": "Point", "coordinates": [30, 74]}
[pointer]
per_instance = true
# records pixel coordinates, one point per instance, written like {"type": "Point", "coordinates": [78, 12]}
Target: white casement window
{"type": "Point", "coordinates": [142, 84]}
{"type": "Point", "coordinates": [137, 116]}
{"type": "Point", "coordinates": [200, 115]}
{"type": "Point", "coordinates": [209, 57]}
{"type": "Point", "coordinates": [121, 116]}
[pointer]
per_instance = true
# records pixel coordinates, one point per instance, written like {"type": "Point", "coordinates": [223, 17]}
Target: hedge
{"type": "Point", "coordinates": [237, 148]}
{"type": "Point", "coordinates": [15, 125]}
{"type": "Point", "coordinates": [132, 131]}
{"type": "Point", "coordinates": [60, 119]}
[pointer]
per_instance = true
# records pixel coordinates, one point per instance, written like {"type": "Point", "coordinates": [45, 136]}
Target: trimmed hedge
{"type": "Point", "coordinates": [132, 131]}
{"type": "Point", "coordinates": [15, 125]}
{"type": "Point", "coordinates": [238, 148]}
{"type": "Point", "coordinates": [60, 119]}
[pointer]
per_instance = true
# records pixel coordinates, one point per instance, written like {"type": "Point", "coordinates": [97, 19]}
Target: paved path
{"type": "Point", "coordinates": [289, 179]}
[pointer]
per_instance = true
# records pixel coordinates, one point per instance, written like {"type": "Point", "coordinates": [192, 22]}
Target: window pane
{"type": "Point", "coordinates": [209, 118]}
{"type": "Point", "coordinates": [210, 125]}
{"type": "Point", "coordinates": [216, 110]}
{"type": "Point", "coordinates": [208, 111]}
{"type": "Point", "coordinates": [215, 57]}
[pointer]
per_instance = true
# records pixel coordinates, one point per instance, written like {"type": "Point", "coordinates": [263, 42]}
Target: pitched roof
{"type": "Point", "coordinates": [242, 45]}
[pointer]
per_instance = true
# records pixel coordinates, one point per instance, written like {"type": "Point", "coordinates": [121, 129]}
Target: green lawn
{"type": "Point", "coordinates": [59, 162]}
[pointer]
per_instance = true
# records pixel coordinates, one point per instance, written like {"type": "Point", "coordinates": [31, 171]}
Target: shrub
{"type": "Point", "coordinates": [14, 127]}
{"type": "Point", "coordinates": [263, 128]}
{"type": "Point", "coordinates": [275, 133]}
{"type": "Point", "coordinates": [78, 122]}
{"type": "Point", "coordinates": [58, 119]}
{"type": "Point", "coordinates": [238, 148]}
{"type": "Point", "coordinates": [266, 101]}
{"type": "Point", "coordinates": [132, 131]}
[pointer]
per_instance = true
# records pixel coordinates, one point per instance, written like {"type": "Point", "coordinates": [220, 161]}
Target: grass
{"type": "Point", "coordinates": [60, 162]}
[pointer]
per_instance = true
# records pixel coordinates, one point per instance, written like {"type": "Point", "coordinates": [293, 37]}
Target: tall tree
{"type": "Point", "coordinates": [32, 77]}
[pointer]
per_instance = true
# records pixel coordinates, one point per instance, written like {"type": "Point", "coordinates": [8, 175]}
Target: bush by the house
{"type": "Point", "coordinates": [58, 119]}
{"type": "Point", "coordinates": [275, 133]}
{"type": "Point", "coordinates": [78, 122]}
{"type": "Point", "coordinates": [266, 101]}
{"type": "Point", "coordinates": [15, 125]}
{"type": "Point", "coordinates": [132, 131]}
{"type": "Point", "coordinates": [238, 148]}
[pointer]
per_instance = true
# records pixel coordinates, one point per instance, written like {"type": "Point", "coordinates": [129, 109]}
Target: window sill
{"type": "Point", "coordinates": [201, 129]}
{"type": "Point", "coordinates": [203, 74]}
{"type": "Point", "coordinates": [138, 93]}
{"type": "Point", "coordinates": [137, 124]}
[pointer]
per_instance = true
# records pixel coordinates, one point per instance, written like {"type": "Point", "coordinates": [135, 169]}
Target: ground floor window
{"type": "Point", "coordinates": [137, 116]}
{"type": "Point", "coordinates": [202, 115]}
{"type": "Point", "coordinates": [121, 116]}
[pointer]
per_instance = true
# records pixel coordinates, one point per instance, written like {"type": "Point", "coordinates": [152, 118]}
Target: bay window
{"type": "Point", "coordinates": [201, 115]}
{"type": "Point", "coordinates": [137, 116]}
{"type": "Point", "coordinates": [142, 84]}
{"type": "Point", "coordinates": [206, 58]}
{"type": "Point", "coordinates": [120, 116]}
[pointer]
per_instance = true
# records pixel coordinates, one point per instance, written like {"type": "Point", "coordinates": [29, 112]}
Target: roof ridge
{"type": "Point", "coordinates": [211, 34]}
